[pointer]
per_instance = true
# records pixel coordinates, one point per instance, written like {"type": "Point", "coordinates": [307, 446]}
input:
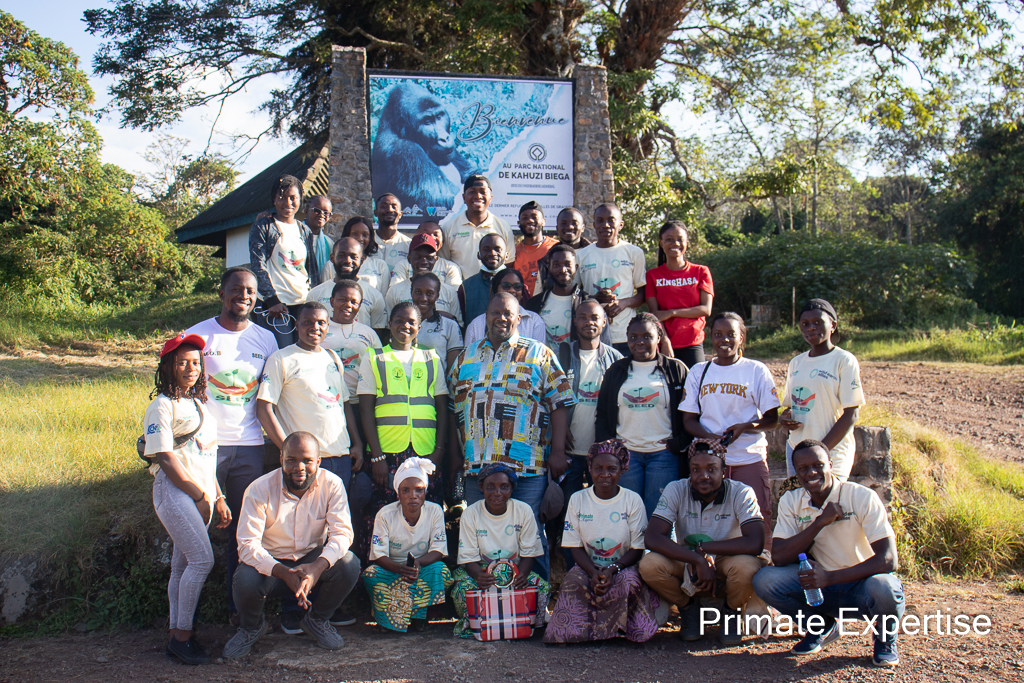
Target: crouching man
{"type": "Point", "coordinates": [843, 528]}
{"type": "Point", "coordinates": [719, 524]}
{"type": "Point", "coordinates": [294, 534]}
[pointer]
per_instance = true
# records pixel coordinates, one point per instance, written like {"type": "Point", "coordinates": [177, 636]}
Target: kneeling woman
{"type": "Point", "coordinates": [603, 596]}
{"type": "Point", "coordinates": [407, 575]}
{"type": "Point", "coordinates": [497, 528]}
{"type": "Point", "coordinates": [181, 441]}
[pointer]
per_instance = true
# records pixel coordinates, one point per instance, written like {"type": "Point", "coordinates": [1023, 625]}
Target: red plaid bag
{"type": "Point", "coordinates": [502, 613]}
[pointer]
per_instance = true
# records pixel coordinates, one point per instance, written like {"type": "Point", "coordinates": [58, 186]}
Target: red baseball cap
{"type": "Point", "coordinates": [422, 240]}
{"type": "Point", "coordinates": [174, 342]}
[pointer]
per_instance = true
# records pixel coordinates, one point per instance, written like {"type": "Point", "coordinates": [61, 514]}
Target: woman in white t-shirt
{"type": "Point", "coordinates": [497, 528]}
{"type": "Point", "coordinates": [734, 399]}
{"type": "Point", "coordinates": [185, 491]}
{"type": "Point", "coordinates": [407, 575]}
{"type": "Point", "coordinates": [603, 596]}
{"type": "Point", "coordinates": [823, 391]}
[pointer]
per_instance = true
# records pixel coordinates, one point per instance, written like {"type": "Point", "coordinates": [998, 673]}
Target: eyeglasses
{"type": "Point", "coordinates": [320, 212]}
{"type": "Point", "coordinates": [516, 286]}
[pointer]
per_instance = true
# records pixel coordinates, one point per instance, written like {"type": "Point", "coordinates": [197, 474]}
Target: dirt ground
{"type": "Point", "coordinates": [983, 405]}
{"type": "Point", "coordinates": [437, 657]}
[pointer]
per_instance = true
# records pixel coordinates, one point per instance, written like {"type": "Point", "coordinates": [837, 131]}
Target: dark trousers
{"type": "Point", "coordinates": [283, 339]}
{"type": "Point", "coordinates": [237, 467]}
{"type": "Point", "coordinates": [252, 589]}
{"type": "Point", "coordinates": [690, 355]}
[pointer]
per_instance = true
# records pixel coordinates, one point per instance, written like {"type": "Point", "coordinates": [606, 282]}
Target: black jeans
{"type": "Point", "coordinates": [690, 355]}
{"type": "Point", "coordinates": [237, 467]}
{"type": "Point", "coordinates": [251, 589]}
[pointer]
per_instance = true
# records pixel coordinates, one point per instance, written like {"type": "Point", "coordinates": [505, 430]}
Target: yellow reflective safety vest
{"type": "Point", "coordinates": [405, 411]}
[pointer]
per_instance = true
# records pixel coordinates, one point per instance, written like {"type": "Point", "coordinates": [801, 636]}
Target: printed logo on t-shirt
{"type": "Point", "coordinates": [641, 398]}
{"type": "Point", "coordinates": [513, 529]}
{"type": "Point", "coordinates": [397, 373]}
{"type": "Point", "coordinates": [153, 429]}
{"type": "Point", "coordinates": [608, 283]}
{"type": "Point", "coordinates": [289, 261]}
{"type": "Point", "coordinates": [802, 404]}
{"type": "Point", "coordinates": [349, 358]}
{"type": "Point", "coordinates": [604, 550]}
{"type": "Point", "coordinates": [823, 373]}
{"type": "Point", "coordinates": [376, 541]}
{"type": "Point", "coordinates": [589, 392]}
{"type": "Point", "coordinates": [675, 282]}
{"type": "Point", "coordinates": [232, 387]}
{"type": "Point", "coordinates": [331, 399]}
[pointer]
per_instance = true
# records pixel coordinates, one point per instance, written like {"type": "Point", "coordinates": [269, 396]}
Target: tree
{"type": "Point", "coordinates": [181, 186]}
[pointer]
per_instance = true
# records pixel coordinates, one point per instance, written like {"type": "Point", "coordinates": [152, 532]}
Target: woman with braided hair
{"type": "Point", "coordinates": [603, 596]}
{"type": "Point", "coordinates": [181, 441]}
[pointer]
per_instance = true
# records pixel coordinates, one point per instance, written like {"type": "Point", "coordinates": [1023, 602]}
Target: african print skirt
{"type": "Point", "coordinates": [396, 602]}
{"type": "Point", "coordinates": [464, 582]}
{"type": "Point", "coordinates": [626, 609]}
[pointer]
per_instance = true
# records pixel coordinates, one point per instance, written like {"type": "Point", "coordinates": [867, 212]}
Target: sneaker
{"type": "Point", "coordinates": [290, 621]}
{"type": "Point", "coordinates": [812, 643]}
{"type": "Point", "coordinates": [241, 643]}
{"type": "Point", "coordinates": [689, 623]}
{"type": "Point", "coordinates": [886, 654]}
{"type": "Point", "coordinates": [418, 625]}
{"type": "Point", "coordinates": [187, 651]}
{"type": "Point", "coordinates": [340, 618]}
{"type": "Point", "coordinates": [321, 629]}
{"type": "Point", "coordinates": [731, 634]}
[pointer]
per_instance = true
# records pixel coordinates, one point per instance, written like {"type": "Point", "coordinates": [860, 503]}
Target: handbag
{"type": "Point", "coordinates": [179, 441]}
{"type": "Point", "coordinates": [502, 613]}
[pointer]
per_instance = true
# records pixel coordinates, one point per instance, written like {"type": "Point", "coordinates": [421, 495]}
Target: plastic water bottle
{"type": "Point", "coordinates": [812, 595]}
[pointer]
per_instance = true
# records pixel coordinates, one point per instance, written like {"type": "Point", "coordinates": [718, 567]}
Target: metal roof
{"type": "Point", "coordinates": [310, 163]}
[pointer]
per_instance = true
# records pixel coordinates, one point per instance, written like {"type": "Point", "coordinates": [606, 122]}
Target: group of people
{"type": "Point", "coordinates": [406, 379]}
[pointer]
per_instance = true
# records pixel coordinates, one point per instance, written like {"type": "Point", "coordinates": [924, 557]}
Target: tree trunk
{"type": "Point", "coordinates": [906, 199]}
{"type": "Point", "coordinates": [778, 215]}
{"type": "Point", "coordinates": [548, 44]}
{"type": "Point", "coordinates": [814, 201]}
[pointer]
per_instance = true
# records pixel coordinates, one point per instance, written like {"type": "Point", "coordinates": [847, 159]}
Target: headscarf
{"type": "Point", "coordinates": [714, 447]}
{"type": "Point", "coordinates": [610, 447]}
{"type": "Point", "coordinates": [820, 305]}
{"type": "Point", "coordinates": [415, 468]}
{"type": "Point", "coordinates": [498, 468]}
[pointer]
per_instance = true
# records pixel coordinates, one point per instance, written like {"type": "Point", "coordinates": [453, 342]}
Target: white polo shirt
{"type": "Point", "coordinates": [462, 240]}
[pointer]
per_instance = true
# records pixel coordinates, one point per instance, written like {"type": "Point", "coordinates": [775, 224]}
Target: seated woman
{"type": "Point", "coordinates": [485, 536]}
{"type": "Point", "coordinates": [603, 596]}
{"type": "Point", "coordinates": [406, 574]}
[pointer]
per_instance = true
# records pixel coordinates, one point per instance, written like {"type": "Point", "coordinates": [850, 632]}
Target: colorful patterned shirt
{"type": "Point", "coordinates": [502, 400]}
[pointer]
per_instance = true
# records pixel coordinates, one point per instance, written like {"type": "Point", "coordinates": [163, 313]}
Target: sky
{"type": "Point", "coordinates": [62, 20]}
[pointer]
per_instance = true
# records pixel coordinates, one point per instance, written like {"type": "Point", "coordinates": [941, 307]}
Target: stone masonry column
{"type": "Point", "coordinates": [592, 149]}
{"type": "Point", "coordinates": [349, 183]}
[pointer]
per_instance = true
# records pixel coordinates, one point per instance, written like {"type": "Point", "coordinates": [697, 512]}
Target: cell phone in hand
{"type": "Point", "coordinates": [411, 561]}
{"type": "Point", "coordinates": [726, 440]}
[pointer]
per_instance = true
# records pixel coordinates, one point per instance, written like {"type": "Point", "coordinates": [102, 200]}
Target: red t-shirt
{"type": "Point", "coordinates": [680, 289]}
{"type": "Point", "coordinates": [526, 261]}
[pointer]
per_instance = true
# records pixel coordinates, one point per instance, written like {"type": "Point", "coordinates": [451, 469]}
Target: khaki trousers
{"type": "Point", "coordinates": [665, 576]}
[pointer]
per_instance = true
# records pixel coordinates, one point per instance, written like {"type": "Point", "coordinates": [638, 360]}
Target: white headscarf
{"type": "Point", "coordinates": [416, 468]}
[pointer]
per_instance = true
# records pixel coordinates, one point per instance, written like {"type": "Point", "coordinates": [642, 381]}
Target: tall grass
{"type": "Point", "coordinates": [69, 475]}
{"type": "Point", "coordinates": [998, 344]}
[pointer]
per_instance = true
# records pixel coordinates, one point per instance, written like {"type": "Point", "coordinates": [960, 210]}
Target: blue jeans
{"type": "Point", "coordinates": [530, 490]}
{"type": "Point", "coordinates": [880, 595]}
{"type": "Point", "coordinates": [237, 467]}
{"type": "Point", "coordinates": [649, 474]}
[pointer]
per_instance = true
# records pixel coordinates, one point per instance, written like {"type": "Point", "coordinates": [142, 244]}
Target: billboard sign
{"type": "Point", "coordinates": [428, 133]}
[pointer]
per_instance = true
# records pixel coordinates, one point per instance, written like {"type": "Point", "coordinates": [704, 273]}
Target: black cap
{"type": "Point", "coordinates": [820, 305]}
{"type": "Point", "coordinates": [531, 205]}
{"type": "Point", "coordinates": [474, 180]}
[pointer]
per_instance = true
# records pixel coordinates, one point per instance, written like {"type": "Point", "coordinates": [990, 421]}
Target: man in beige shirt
{"type": "Point", "coordinates": [294, 533]}
{"type": "Point", "coordinates": [464, 230]}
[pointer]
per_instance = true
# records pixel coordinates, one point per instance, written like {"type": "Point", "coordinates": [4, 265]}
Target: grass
{"type": "Point", "coordinates": [40, 322]}
{"type": "Point", "coordinates": [997, 344]}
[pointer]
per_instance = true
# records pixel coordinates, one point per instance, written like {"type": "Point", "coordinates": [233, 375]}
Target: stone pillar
{"type": "Point", "coordinates": [592, 149]}
{"type": "Point", "coordinates": [349, 183]}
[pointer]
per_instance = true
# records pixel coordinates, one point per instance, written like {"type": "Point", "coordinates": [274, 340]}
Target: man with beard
{"type": "Point", "coordinates": [394, 246]}
{"type": "Point", "coordinates": [534, 246]}
{"type": "Point", "coordinates": [475, 291]}
{"type": "Point", "coordinates": [511, 403]}
{"type": "Point", "coordinates": [464, 230]}
{"type": "Point", "coordinates": [569, 228]}
{"type": "Point", "coordinates": [346, 256]}
{"type": "Point", "coordinates": [236, 351]}
{"type": "Point", "coordinates": [294, 534]}
{"type": "Point", "coordinates": [717, 540]}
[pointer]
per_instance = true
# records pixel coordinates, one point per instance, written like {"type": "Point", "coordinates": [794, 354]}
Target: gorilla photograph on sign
{"type": "Point", "coordinates": [429, 133]}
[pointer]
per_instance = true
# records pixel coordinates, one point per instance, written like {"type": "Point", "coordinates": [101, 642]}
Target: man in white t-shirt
{"type": "Point", "coordinates": [844, 529]}
{"type": "Point", "coordinates": [464, 230]}
{"type": "Point", "coordinates": [448, 272]}
{"type": "Point", "coordinates": [614, 272]}
{"type": "Point", "coordinates": [705, 506]}
{"type": "Point", "coordinates": [304, 390]}
{"type": "Point", "coordinates": [236, 351]}
{"type": "Point", "coordinates": [347, 255]}
{"type": "Point", "coordinates": [422, 257]}
{"type": "Point", "coordinates": [394, 246]}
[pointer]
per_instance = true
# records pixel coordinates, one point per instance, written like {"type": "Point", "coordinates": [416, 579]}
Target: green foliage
{"type": "Point", "coordinates": [871, 283]}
